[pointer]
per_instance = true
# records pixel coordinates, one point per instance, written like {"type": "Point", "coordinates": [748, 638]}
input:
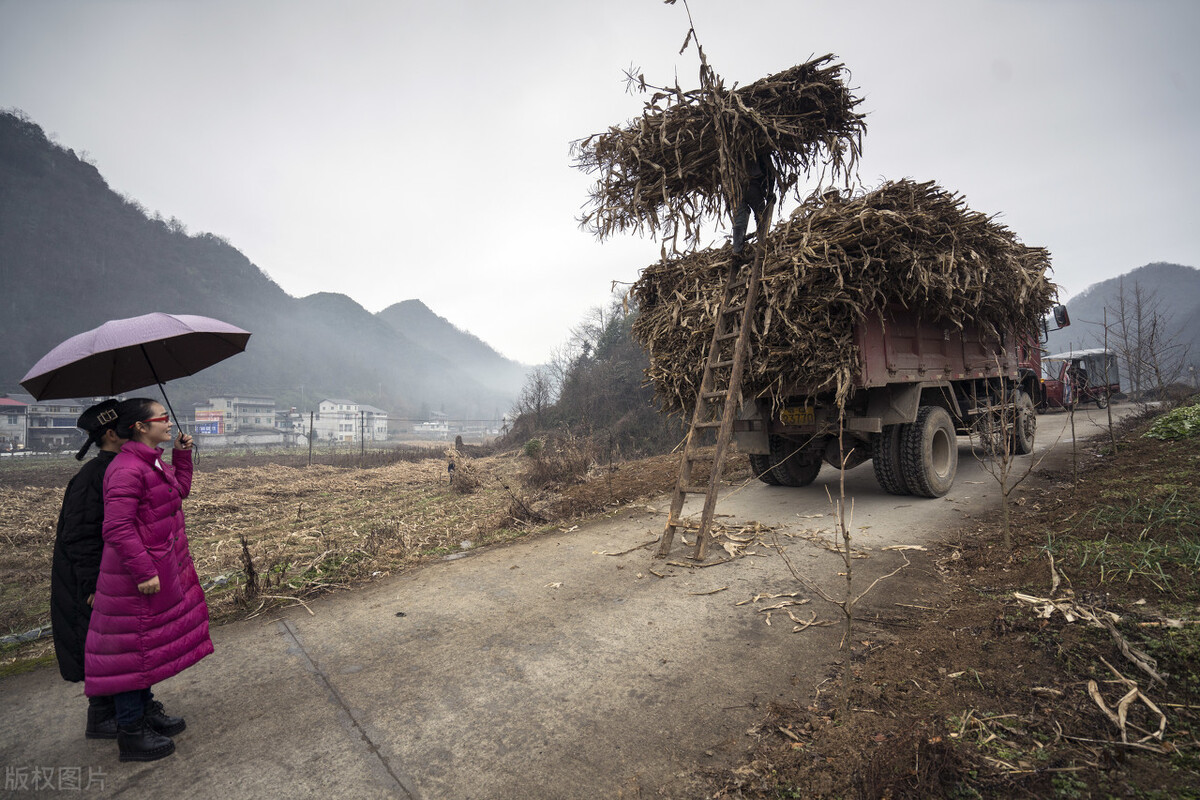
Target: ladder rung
{"type": "Point", "coordinates": [713, 395]}
{"type": "Point", "coordinates": [724, 337]}
{"type": "Point", "coordinates": [694, 489]}
{"type": "Point", "coordinates": [714, 424]}
{"type": "Point", "coordinates": [721, 364]}
{"type": "Point", "coordinates": [734, 309]}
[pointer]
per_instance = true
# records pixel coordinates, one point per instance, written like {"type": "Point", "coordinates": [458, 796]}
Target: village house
{"type": "Point", "coordinates": [226, 414]}
{"type": "Point", "coordinates": [342, 420]}
{"type": "Point", "coordinates": [42, 425]}
{"type": "Point", "coordinates": [12, 425]}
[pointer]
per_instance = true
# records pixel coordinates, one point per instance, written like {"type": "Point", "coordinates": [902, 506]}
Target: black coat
{"type": "Point", "coordinates": [77, 549]}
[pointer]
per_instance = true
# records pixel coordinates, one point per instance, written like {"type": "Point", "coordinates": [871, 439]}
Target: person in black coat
{"type": "Point", "coordinates": [76, 564]}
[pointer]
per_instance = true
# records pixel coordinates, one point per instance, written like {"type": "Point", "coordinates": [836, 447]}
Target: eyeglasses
{"type": "Point", "coordinates": [163, 418]}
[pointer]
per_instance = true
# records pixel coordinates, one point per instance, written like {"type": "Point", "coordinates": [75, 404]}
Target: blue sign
{"type": "Point", "coordinates": [209, 428]}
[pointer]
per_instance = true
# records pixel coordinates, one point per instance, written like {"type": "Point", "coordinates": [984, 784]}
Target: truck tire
{"type": "Point", "coordinates": [1024, 426]}
{"type": "Point", "coordinates": [764, 468]}
{"type": "Point", "coordinates": [1102, 400]}
{"type": "Point", "coordinates": [929, 453]}
{"type": "Point", "coordinates": [792, 468]}
{"type": "Point", "coordinates": [885, 456]}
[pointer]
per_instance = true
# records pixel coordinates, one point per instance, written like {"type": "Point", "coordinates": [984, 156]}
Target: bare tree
{"type": "Point", "coordinates": [1004, 431]}
{"type": "Point", "coordinates": [1145, 338]}
{"type": "Point", "coordinates": [536, 396]}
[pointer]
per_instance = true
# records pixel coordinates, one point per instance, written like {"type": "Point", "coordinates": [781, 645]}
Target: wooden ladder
{"type": "Point", "coordinates": [720, 389]}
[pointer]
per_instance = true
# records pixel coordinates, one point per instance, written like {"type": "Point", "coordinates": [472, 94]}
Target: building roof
{"type": "Point", "coordinates": [371, 409]}
{"type": "Point", "coordinates": [339, 401]}
{"type": "Point", "coordinates": [8, 401]}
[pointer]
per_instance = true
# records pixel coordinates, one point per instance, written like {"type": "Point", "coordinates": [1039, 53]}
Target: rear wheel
{"type": "Point", "coordinates": [793, 467]}
{"type": "Point", "coordinates": [929, 453]}
{"type": "Point", "coordinates": [885, 456]}
{"type": "Point", "coordinates": [1102, 400]}
{"type": "Point", "coordinates": [764, 468]}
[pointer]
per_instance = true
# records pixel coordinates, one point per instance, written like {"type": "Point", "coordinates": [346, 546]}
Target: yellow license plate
{"type": "Point", "coordinates": [797, 415]}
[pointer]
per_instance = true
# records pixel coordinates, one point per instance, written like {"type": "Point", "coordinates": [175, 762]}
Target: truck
{"type": "Point", "coordinates": [920, 385]}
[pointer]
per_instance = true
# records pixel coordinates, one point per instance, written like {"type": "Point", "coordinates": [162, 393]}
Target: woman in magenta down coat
{"type": "Point", "coordinates": [149, 618]}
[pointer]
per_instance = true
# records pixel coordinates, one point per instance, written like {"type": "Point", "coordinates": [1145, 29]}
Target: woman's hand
{"type": "Point", "coordinates": [183, 442]}
{"type": "Point", "coordinates": [149, 587]}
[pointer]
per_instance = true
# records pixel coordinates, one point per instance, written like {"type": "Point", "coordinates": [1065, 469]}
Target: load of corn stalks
{"type": "Point", "coordinates": [837, 259]}
{"type": "Point", "coordinates": [687, 159]}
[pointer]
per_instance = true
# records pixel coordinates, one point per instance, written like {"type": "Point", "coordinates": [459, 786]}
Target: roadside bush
{"type": "Point", "coordinates": [533, 448]}
{"type": "Point", "coordinates": [563, 462]}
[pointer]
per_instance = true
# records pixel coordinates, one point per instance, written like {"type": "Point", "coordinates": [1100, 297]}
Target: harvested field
{"type": "Point", "coordinates": [836, 260]}
{"type": "Point", "coordinates": [688, 157]}
{"type": "Point", "coordinates": [309, 530]}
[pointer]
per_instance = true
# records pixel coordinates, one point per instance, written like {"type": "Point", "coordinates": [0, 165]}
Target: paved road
{"type": "Point", "coordinates": [544, 668]}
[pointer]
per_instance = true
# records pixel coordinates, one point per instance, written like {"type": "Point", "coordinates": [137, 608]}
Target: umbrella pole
{"type": "Point", "coordinates": [154, 372]}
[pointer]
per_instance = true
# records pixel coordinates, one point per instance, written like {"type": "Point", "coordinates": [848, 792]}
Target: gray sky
{"type": "Point", "coordinates": [390, 149]}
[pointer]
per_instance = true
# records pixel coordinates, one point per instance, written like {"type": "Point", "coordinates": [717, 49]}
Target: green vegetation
{"type": "Point", "coordinates": [1177, 424]}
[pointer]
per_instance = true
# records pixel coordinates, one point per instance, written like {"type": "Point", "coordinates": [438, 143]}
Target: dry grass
{"type": "Point", "coordinates": [836, 260]}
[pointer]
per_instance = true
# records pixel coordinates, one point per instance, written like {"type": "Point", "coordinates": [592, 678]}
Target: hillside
{"type": "Point", "coordinates": [414, 320]}
{"type": "Point", "coordinates": [74, 253]}
{"type": "Point", "coordinates": [1175, 286]}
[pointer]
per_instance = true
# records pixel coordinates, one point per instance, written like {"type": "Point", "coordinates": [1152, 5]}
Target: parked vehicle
{"type": "Point", "coordinates": [920, 385]}
{"type": "Point", "coordinates": [1079, 376]}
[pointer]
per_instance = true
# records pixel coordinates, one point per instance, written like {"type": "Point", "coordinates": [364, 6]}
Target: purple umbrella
{"type": "Point", "coordinates": [125, 354]}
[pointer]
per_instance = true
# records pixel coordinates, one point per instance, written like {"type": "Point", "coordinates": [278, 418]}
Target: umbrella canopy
{"type": "Point", "coordinates": [125, 354]}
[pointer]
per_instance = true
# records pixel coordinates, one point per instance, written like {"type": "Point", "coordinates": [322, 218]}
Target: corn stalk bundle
{"type": "Point", "coordinates": [837, 259]}
{"type": "Point", "coordinates": [687, 158]}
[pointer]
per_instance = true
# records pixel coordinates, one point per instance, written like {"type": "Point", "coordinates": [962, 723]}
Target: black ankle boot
{"type": "Point", "coordinates": [101, 722]}
{"type": "Point", "coordinates": [138, 742]}
{"type": "Point", "coordinates": [156, 717]}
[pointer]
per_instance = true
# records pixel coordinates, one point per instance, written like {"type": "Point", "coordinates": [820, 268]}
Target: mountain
{"type": "Point", "coordinates": [468, 352]}
{"type": "Point", "coordinates": [74, 253]}
{"type": "Point", "coordinates": [1171, 290]}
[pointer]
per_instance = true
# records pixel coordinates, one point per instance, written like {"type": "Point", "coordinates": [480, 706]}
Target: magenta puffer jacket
{"type": "Point", "coordinates": [136, 640]}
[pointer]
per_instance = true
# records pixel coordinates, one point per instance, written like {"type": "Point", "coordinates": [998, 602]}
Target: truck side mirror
{"type": "Point", "coordinates": [1061, 318]}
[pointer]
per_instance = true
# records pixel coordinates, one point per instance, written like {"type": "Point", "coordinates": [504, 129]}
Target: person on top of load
{"type": "Point", "coordinates": [755, 197]}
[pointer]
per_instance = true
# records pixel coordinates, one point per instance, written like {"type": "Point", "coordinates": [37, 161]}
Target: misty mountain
{"type": "Point", "coordinates": [1173, 289]}
{"type": "Point", "coordinates": [413, 319]}
{"type": "Point", "coordinates": [74, 253]}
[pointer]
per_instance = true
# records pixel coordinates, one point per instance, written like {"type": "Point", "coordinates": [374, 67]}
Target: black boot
{"type": "Point", "coordinates": [101, 719]}
{"type": "Point", "coordinates": [138, 742]}
{"type": "Point", "coordinates": [158, 720]}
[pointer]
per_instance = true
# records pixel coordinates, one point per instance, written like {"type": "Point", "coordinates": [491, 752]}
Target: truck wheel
{"type": "Point", "coordinates": [885, 456]}
{"type": "Point", "coordinates": [1102, 400]}
{"type": "Point", "coordinates": [1025, 425]}
{"type": "Point", "coordinates": [929, 453]}
{"type": "Point", "coordinates": [792, 468]}
{"type": "Point", "coordinates": [764, 468]}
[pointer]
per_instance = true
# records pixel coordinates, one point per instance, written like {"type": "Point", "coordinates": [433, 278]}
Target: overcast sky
{"type": "Point", "coordinates": [389, 149]}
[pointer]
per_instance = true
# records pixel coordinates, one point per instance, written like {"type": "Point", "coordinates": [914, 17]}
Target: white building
{"type": "Point", "coordinates": [235, 413]}
{"type": "Point", "coordinates": [342, 420]}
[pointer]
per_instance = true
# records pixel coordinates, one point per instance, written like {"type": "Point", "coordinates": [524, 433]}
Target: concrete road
{"type": "Point", "coordinates": [545, 668]}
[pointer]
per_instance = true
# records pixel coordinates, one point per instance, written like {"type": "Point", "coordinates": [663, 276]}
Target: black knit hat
{"type": "Point", "coordinates": [95, 421]}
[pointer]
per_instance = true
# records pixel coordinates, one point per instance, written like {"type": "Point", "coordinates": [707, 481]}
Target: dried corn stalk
{"type": "Point", "coordinates": [836, 260]}
{"type": "Point", "coordinates": [686, 159]}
